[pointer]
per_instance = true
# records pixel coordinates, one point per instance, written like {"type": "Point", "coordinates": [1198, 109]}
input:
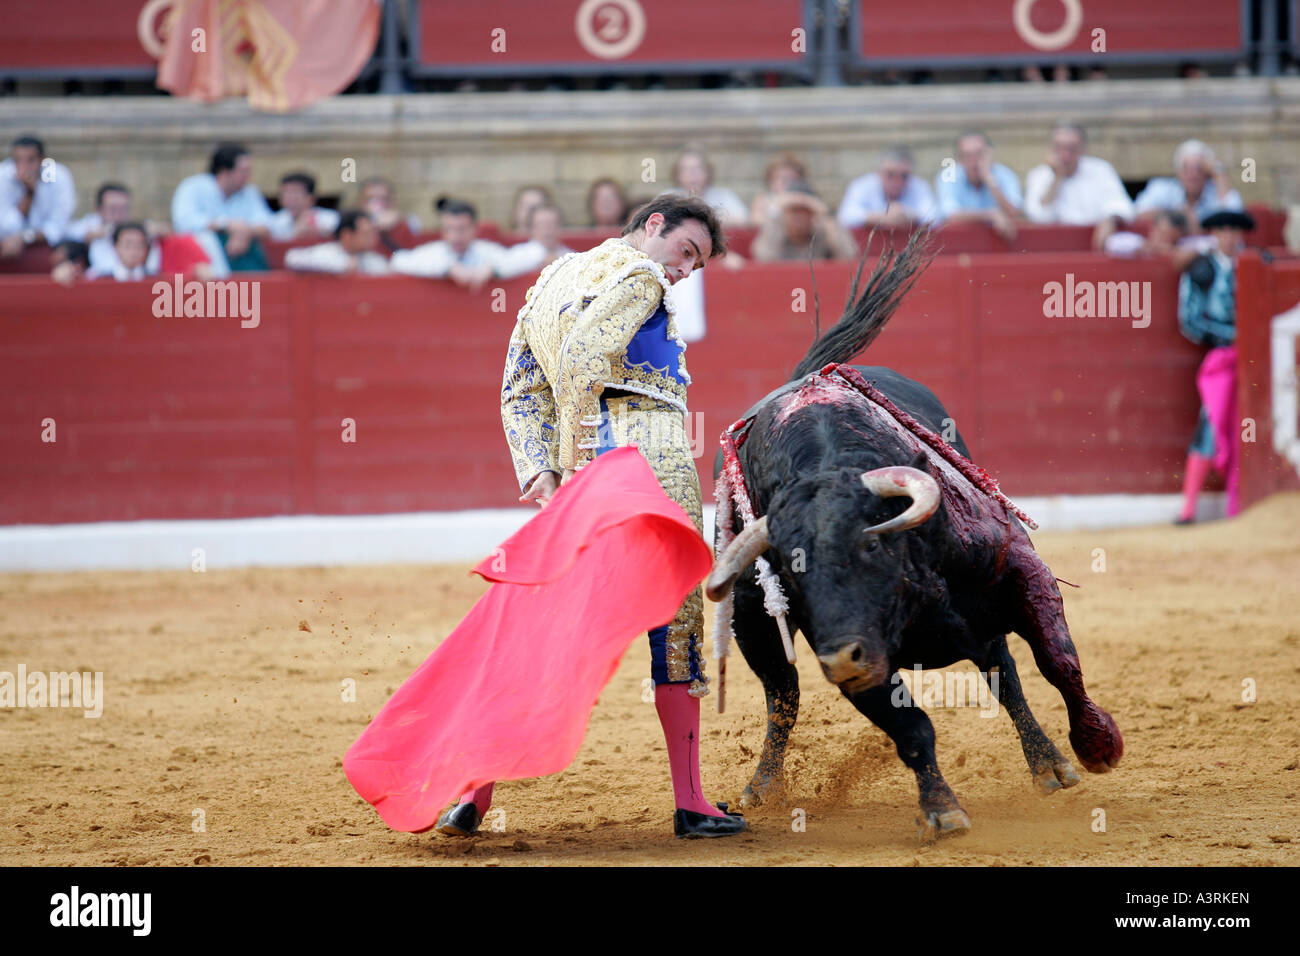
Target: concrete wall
{"type": "Point", "coordinates": [483, 145]}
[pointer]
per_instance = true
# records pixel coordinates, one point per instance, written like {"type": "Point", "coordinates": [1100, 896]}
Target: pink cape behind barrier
{"type": "Point", "coordinates": [508, 693]}
{"type": "Point", "coordinates": [1216, 381]}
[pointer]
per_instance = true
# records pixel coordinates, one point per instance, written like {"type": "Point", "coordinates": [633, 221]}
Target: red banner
{"type": "Point", "coordinates": [69, 34]}
{"type": "Point", "coordinates": [530, 33]}
{"type": "Point", "coordinates": [937, 30]}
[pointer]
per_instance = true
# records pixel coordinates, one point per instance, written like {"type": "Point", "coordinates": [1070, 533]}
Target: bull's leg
{"type": "Point", "coordinates": [760, 643]}
{"type": "Point", "coordinates": [1093, 734]}
{"type": "Point", "coordinates": [890, 707]}
{"type": "Point", "coordinates": [1051, 771]}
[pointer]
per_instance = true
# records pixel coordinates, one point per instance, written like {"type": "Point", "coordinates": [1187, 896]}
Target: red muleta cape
{"type": "Point", "coordinates": [509, 692]}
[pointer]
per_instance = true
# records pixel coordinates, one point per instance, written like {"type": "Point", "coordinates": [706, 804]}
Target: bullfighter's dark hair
{"type": "Point", "coordinates": [866, 314]}
{"type": "Point", "coordinates": [677, 209]}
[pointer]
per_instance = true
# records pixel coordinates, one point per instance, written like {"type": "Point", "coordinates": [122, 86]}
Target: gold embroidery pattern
{"type": "Point", "coordinates": [528, 413]}
{"type": "Point", "coordinates": [659, 431]}
{"type": "Point", "coordinates": [573, 333]}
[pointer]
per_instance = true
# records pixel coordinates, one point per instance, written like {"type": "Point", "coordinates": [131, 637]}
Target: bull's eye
{"type": "Point", "coordinates": [869, 543]}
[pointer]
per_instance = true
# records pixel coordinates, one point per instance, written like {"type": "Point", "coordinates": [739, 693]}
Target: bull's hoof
{"type": "Point", "coordinates": [761, 790]}
{"type": "Point", "coordinates": [932, 826]}
{"type": "Point", "coordinates": [1058, 776]}
{"type": "Point", "coordinates": [1097, 742]}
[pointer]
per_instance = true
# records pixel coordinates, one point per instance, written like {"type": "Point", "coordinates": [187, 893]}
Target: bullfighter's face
{"type": "Point", "coordinates": [680, 251]}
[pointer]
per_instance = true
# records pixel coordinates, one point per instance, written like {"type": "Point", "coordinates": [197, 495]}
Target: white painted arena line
{"type": "Point", "coordinates": [421, 537]}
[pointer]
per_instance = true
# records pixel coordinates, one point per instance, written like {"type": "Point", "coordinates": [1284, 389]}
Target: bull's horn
{"type": "Point", "coordinates": [740, 554]}
{"type": "Point", "coordinates": [900, 481]}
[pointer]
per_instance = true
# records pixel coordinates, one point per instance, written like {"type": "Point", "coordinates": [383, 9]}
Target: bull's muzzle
{"type": "Point", "coordinates": [853, 667]}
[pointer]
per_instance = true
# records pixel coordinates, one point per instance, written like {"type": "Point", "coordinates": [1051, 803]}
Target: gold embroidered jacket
{"type": "Point", "coordinates": [594, 320]}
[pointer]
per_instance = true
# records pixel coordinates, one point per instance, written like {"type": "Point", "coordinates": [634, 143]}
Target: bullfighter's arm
{"type": "Point", "coordinates": [600, 334]}
{"type": "Point", "coordinates": [528, 413]}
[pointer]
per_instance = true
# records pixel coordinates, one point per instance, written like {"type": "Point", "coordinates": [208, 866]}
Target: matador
{"type": "Point", "coordinates": [595, 362]}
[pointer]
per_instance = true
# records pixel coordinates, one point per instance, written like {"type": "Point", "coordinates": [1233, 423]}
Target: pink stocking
{"type": "Point", "coordinates": [481, 798]}
{"type": "Point", "coordinates": [1197, 470]}
{"type": "Point", "coordinates": [679, 713]}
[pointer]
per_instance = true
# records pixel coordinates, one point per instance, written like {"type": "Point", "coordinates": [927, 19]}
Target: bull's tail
{"type": "Point", "coordinates": [866, 314]}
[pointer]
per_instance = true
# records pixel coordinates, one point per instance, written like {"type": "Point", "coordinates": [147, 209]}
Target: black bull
{"type": "Point", "coordinates": [873, 601]}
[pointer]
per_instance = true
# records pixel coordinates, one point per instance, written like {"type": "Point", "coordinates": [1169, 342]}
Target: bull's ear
{"type": "Point", "coordinates": [921, 462]}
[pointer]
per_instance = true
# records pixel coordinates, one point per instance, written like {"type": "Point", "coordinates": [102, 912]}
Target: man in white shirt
{"type": "Point", "coordinates": [223, 200]}
{"type": "Point", "coordinates": [543, 245]}
{"type": "Point", "coordinates": [299, 216]}
{"type": "Point", "coordinates": [1199, 187]}
{"type": "Point", "coordinates": [1074, 189]}
{"type": "Point", "coordinates": [112, 208]}
{"type": "Point", "coordinates": [458, 255]}
{"type": "Point", "coordinates": [891, 196]}
{"type": "Point", "coordinates": [352, 251]}
{"type": "Point", "coordinates": [37, 197]}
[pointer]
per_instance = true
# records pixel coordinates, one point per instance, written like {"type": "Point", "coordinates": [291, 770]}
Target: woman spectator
{"type": "Point", "coordinates": [527, 199]}
{"type": "Point", "coordinates": [801, 228]}
{"type": "Point", "coordinates": [781, 172]}
{"type": "Point", "coordinates": [693, 174]}
{"type": "Point", "coordinates": [607, 205]}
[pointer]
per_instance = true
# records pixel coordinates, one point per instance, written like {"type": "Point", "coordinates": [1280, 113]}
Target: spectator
{"type": "Point", "coordinates": [379, 202]}
{"type": "Point", "coordinates": [1166, 236]}
{"type": "Point", "coordinates": [352, 251]}
{"type": "Point", "coordinates": [607, 205]}
{"type": "Point", "coordinates": [1207, 293]}
{"type": "Point", "coordinates": [223, 201]}
{"type": "Point", "coordinates": [543, 245]}
{"type": "Point", "coordinates": [37, 197]}
{"type": "Point", "coordinates": [299, 216]}
{"type": "Point", "coordinates": [69, 260]}
{"type": "Point", "coordinates": [802, 228]}
{"type": "Point", "coordinates": [693, 174]}
{"type": "Point", "coordinates": [891, 196]}
{"type": "Point", "coordinates": [1076, 189]}
{"type": "Point", "coordinates": [458, 255]}
{"type": "Point", "coordinates": [112, 208]}
{"type": "Point", "coordinates": [976, 189]}
{"type": "Point", "coordinates": [783, 170]}
{"type": "Point", "coordinates": [131, 254]}
{"type": "Point", "coordinates": [528, 198]}
{"type": "Point", "coordinates": [1199, 186]}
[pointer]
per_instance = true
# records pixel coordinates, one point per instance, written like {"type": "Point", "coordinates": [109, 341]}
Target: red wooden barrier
{"type": "Point", "coordinates": [33, 260]}
{"type": "Point", "coordinates": [190, 417]}
{"type": "Point", "coordinates": [1263, 291]}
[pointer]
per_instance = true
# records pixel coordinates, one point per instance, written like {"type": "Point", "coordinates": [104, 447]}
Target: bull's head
{"type": "Point", "coordinates": [835, 538]}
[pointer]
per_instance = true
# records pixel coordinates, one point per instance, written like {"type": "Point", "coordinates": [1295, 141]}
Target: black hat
{"type": "Point", "coordinates": [1228, 219]}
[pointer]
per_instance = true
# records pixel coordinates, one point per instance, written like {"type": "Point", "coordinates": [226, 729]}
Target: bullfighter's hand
{"type": "Point", "coordinates": [541, 489]}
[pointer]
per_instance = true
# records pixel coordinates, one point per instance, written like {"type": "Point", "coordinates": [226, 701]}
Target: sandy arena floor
{"type": "Point", "coordinates": [217, 699]}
